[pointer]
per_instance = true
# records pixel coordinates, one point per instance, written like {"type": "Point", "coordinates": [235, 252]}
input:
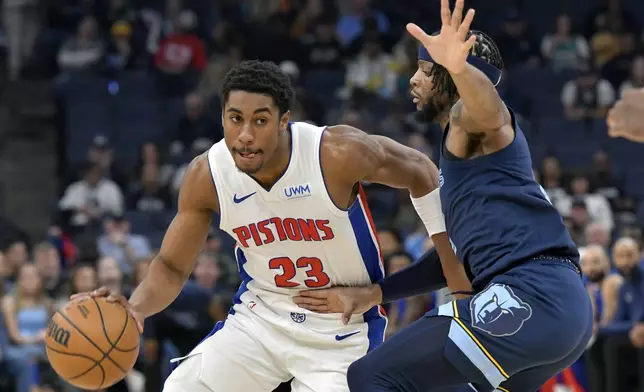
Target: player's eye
{"type": "Point", "coordinates": [235, 118]}
{"type": "Point", "coordinates": [261, 121]}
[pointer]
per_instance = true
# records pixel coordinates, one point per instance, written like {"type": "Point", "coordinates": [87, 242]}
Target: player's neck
{"type": "Point", "coordinates": [277, 165]}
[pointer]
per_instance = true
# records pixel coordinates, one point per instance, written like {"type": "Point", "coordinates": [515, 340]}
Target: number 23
{"type": "Point", "coordinates": [317, 277]}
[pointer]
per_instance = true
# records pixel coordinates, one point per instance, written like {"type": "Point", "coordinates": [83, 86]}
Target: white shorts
{"type": "Point", "coordinates": [255, 350]}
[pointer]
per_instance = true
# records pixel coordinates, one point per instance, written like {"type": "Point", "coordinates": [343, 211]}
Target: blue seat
{"type": "Point", "coordinates": [323, 84]}
{"type": "Point", "coordinates": [84, 121]}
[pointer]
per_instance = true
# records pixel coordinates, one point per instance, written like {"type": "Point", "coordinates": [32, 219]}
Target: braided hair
{"type": "Point", "coordinates": [484, 48]}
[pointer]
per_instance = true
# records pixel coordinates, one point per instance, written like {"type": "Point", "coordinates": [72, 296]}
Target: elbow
{"type": "Point", "coordinates": [425, 177]}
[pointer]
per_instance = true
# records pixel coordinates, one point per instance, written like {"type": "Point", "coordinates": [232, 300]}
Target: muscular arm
{"type": "Point", "coordinates": [378, 159]}
{"type": "Point", "coordinates": [183, 241]}
{"type": "Point", "coordinates": [480, 109]}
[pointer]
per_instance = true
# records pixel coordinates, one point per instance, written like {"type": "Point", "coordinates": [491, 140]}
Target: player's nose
{"type": "Point", "coordinates": [246, 135]}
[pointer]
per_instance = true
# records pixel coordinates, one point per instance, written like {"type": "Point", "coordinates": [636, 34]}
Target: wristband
{"type": "Point", "coordinates": [430, 212]}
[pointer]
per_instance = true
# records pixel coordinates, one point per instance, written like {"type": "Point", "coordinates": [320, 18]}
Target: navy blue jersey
{"type": "Point", "coordinates": [497, 215]}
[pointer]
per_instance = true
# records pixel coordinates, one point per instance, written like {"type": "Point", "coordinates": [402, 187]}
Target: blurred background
{"type": "Point", "coordinates": [104, 102]}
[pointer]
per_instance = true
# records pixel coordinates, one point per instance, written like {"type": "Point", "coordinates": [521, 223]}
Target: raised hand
{"type": "Point", "coordinates": [450, 48]}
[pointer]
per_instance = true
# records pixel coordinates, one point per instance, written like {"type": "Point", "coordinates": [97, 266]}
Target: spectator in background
{"type": "Point", "coordinates": [218, 65]}
{"type": "Point", "coordinates": [148, 194]}
{"type": "Point", "coordinates": [119, 54]}
{"type": "Point", "coordinates": [5, 273]}
{"type": "Point", "coordinates": [603, 287]}
{"type": "Point", "coordinates": [617, 69]}
{"type": "Point", "coordinates": [16, 255]}
{"type": "Point", "coordinates": [598, 206]}
{"type": "Point", "coordinates": [636, 77]}
{"type": "Point", "coordinates": [596, 234]}
{"type": "Point", "coordinates": [350, 25]}
{"type": "Point", "coordinates": [196, 123]}
{"type": "Point", "coordinates": [390, 241]}
{"type": "Point", "coordinates": [587, 96]}
{"type": "Point", "coordinates": [21, 24]}
{"type": "Point", "coordinates": [101, 153]}
{"type": "Point", "coordinates": [13, 363]}
{"type": "Point", "coordinates": [372, 71]}
{"type": "Point", "coordinates": [47, 261]}
{"type": "Point", "coordinates": [84, 50]}
{"type": "Point", "coordinates": [605, 180]}
{"type": "Point", "coordinates": [91, 198]}
{"type": "Point", "coordinates": [515, 43]}
{"type": "Point", "coordinates": [552, 181]}
{"type": "Point", "coordinates": [624, 338]}
{"type": "Point", "coordinates": [578, 221]}
{"type": "Point", "coordinates": [119, 244]}
{"type": "Point", "coordinates": [26, 313]}
{"type": "Point", "coordinates": [323, 50]}
{"type": "Point", "coordinates": [307, 19]}
{"type": "Point", "coordinates": [181, 56]}
{"type": "Point", "coordinates": [110, 275]}
{"type": "Point", "coordinates": [405, 311]}
{"type": "Point", "coordinates": [83, 279]}
{"type": "Point", "coordinates": [150, 155]}
{"type": "Point", "coordinates": [563, 49]}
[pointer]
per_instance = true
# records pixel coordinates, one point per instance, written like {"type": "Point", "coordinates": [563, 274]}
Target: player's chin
{"type": "Point", "coordinates": [249, 165]}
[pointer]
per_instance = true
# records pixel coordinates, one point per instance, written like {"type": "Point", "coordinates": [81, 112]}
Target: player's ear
{"type": "Point", "coordinates": [286, 117]}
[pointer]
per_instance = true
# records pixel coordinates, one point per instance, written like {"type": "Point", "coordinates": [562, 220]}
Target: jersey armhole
{"type": "Point", "coordinates": [219, 189]}
{"type": "Point", "coordinates": [334, 208]}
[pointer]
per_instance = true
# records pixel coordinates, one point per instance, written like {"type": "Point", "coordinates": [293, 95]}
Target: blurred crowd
{"type": "Point", "coordinates": [159, 64]}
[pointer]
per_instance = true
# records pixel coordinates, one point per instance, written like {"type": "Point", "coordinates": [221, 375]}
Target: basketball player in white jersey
{"type": "Point", "coordinates": [290, 195]}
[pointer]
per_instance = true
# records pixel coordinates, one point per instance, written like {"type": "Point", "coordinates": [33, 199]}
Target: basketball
{"type": "Point", "coordinates": [92, 344]}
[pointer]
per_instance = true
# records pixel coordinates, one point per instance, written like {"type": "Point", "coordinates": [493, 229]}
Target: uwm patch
{"type": "Point", "coordinates": [297, 191]}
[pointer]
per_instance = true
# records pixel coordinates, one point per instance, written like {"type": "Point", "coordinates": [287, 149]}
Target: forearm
{"type": "Point", "coordinates": [158, 289]}
{"type": "Point", "coordinates": [452, 268]}
{"type": "Point", "coordinates": [480, 98]}
{"type": "Point", "coordinates": [423, 276]}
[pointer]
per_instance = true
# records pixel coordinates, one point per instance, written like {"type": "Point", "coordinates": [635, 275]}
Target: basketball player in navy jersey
{"type": "Point", "coordinates": [530, 315]}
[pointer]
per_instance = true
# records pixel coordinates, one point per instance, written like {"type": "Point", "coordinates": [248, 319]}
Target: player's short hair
{"type": "Point", "coordinates": [484, 48]}
{"type": "Point", "coordinates": [260, 77]}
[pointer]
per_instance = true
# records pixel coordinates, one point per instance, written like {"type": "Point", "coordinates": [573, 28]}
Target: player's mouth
{"type": "Point", "coordinates": [416, 97]}
{"type": "Point", "coordinates": [247, 156]}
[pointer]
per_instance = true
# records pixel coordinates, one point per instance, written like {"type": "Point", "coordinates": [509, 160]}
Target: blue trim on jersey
{"type": "Point", "coordinates": [376, 322]}
{"type": "Point", "coordinates": [366, 244]}
{"type": "Point", "coordinates": [243, 287]}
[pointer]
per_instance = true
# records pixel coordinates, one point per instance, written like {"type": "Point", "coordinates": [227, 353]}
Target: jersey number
{"type": "Point", "coordinates": [315, 271]}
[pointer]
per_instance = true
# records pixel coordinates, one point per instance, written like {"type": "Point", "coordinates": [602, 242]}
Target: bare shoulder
{"type": "Point", "coordinates": [198, 190]}
{"type": "Point", "coordinates": [350, 152]}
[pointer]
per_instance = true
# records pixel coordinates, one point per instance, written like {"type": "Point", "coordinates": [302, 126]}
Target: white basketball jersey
{"type": "Point", "coordinates": [293, 237]}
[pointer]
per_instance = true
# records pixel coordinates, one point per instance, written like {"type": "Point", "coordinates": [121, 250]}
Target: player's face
{"type": "Point", "coordinates": [430, 103]}
{"type": "Point", "coordinates": [252, 129]}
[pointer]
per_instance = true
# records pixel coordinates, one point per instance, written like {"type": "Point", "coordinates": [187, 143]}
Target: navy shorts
{"type": "Point", "coordinates": [526, 326]}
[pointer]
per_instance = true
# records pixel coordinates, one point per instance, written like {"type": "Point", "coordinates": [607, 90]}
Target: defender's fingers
{"type": "Point", "coordinates": [457, 14]}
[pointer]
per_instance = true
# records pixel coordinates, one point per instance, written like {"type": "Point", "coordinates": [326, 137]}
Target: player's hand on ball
{"type": "Point", "coordinates": [345, 300]}
{"type": "Point", "coordinates": [626, 119]}
{"type": "Point", "coordinates": [113, 297]}
{"type": "Point", "coordinates": [450, 48]}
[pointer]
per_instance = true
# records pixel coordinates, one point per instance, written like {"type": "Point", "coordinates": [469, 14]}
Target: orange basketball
{"type": "Point", "coordinates": [92, 344]}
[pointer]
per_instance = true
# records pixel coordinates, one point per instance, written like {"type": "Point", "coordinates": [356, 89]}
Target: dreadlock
{"type": "Point", "coordinates": [484, 48]}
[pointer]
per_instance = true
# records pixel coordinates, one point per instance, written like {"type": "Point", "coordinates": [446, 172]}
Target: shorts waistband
{"type": "Point", "coordinates": [564, 260]}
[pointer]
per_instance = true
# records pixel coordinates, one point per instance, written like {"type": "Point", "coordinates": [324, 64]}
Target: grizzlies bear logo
{"type": "Point", "coordinates": [498, 311]}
